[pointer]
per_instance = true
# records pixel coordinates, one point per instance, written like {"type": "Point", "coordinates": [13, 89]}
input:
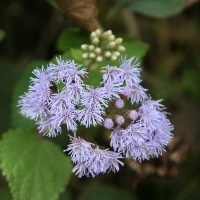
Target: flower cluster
{"type": "Point", "coordinates": [140, 130]}
{"type": "Point", "coordinates": [103, 45]}
{"type": "Point", "coordinates": [90, 159]}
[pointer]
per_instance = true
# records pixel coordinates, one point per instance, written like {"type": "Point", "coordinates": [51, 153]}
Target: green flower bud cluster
{"type": "Point", "coordinates": [103, 45]}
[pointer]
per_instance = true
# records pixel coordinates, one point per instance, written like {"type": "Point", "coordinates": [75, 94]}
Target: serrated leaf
{"type": "Point", "coordinates": [35, 168]}
{"type": "Point", "coordinates": [105, 192]}
{"type": "Point", "coordinates": [2, 34]}
{"type": "Point", "coordinates": [156, 8]}
{"type": "Point", "coordinates": [72, 38]}
{"type": "Point", "coordinates": [18, 120]}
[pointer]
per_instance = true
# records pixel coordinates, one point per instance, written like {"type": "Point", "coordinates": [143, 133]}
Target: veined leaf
{"type": "Point", "coordinates": [35, 168]}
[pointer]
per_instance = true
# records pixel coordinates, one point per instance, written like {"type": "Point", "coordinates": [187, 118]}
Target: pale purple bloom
{"type": "Point", "coordinates": [74, 91]}
{"type": "Point", "coordinates": [31, 106]}
{"type": "Point", "coordinates": [48, 127]}
{"type": "Point", "coordinates": [79, 149]}
{"type": "Point", "coordinates": [34, 104]}
{"type": "Point", "coordinates": [102, 161]}
{"type": "Point", "coordinates": [111, 90]}
{"type": "Point", "coordinates": [67, 71]}
{"type": "Point", "coordinates": [90, 159]}
{"type": "Point", "coordinates": [135, 92]}
{"type": "Point", "coordinates": [140, 133]}
{"type": "Point", "coordinates": [115, 136]}
{"type": "Point", "coordinates": [112, 74]}
{"type": "Point", "coordinates": [90, 116]}
{"type": "Point", "coordinates": [130, 141]}
{"type": "Point", "coordinates": [94, 98]}
{"type": "Point", "coordinates": [131, 72]}
{"type": "Point", "coordinates": [43, 77]}
{"type": "Point", "coordinates": [63, 110]}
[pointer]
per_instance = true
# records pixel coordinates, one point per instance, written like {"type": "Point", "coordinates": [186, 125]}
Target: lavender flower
{"type": "Point", "coordinates": [112, 74]}
{"type": "Point", "coordinates": [90, 159]}
{"type": "Point", "coordinates": [131, 72]}
{"type": "Point", "coordinates": [90, 116]}
{"type": "Point", "coordinates": [138, 133]}
{"type": "Point", "coordinates": [67, 71]}
{"type": "Point", "coordinates": [94, 97]}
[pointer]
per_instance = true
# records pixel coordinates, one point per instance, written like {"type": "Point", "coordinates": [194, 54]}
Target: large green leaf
{"type": "Point", "coordinates": [18, 120]}
{"type": "Point", "coordinates": [72, 38]}
{"type": "Point", "coordinates": [105, 192]}
{"type": "Point", "coordinates": [138, 49]}
{"type": "Point", "coordinates": [156, 8]}
{"type": "Point", "coordinates": [35, 168]}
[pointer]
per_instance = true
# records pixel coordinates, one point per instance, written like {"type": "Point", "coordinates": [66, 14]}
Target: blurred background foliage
{"type": "Point", "coordinates": [165, 37]}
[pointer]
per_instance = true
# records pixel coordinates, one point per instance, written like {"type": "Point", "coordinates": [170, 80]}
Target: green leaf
{"type": "Point", "coordinates": [156, 8]}
{"type": "Point", "coordinates": [2, 34]}
{"type": "Point", "coordinates": [18, 120]}
{"type": "Point", "coordinates": [54, 4]}
{"type": "Point", "coordinates": [9, 73]}
{"type": "Point", "coordinates": [105, 192]}
{"type": "Point", "coordinates": [77, 54]}
{"type": "Point", "coordinates": [72, 38]}
{"type": "Point", "coordinates": [94, 76]}
{"type": "Point", "coordinates": [5, 194]}
{"type": "Point", "coordinates": [138, 49]}
{"type": "Point", "coordinates": [34, 167]}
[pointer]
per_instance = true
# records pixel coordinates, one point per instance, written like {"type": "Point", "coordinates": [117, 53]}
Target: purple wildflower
{"type": "Point", "coordinates": [90, 159]}
{"type": "Point", "coordinates": [131, 72]}
{"type": "Point", "coordinates": [90, 116]}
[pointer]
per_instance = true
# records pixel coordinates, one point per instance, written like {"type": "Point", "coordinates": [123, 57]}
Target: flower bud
{"type": "Point", "coordinates": [98, 32]}
{"type": "Point", "coordinates": [131, 114]}
{"type": "Point", "coordinates": [116, 53]}
{"type": "Point", "coordinates": [118, 41]}
{"type": "Point", "coordinates": [84, 47]}
{"type": "Point", "coordinates": [111, 38]}
{"type": "Point", "coordinates": [99, 58]}
{"type": "Point", "coordinates": [113, 57]}
{"type": "Point", "coordinates": [97, 50]}
{"type": "Point", "coordinates": [91, 47]}
{"type": "Point", "coordinates": [107, 54]}
{"type": "Point", "coordinates": [121, 48]}
{"type": "Point", "coordinates": [111, 44]}
{"type": "Point", "coordinates": [118, 119]}
{"type": "Point", "coordinates": [85, 55]}
{"type": "Point", "coordinates": [108, 123]}
{"type": "Point", "coordinates": [95, 41]}
{"type": "Point", "coordinates": [127, 92]}
{"type": "Point", "coordinates": [92, 55]}
{"type": "Point", "coordinates": [119, 103]}
{"type": "Point", "coordinates": [107, 33]}
{"type": "Point", "coordinates": [93, 35]}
